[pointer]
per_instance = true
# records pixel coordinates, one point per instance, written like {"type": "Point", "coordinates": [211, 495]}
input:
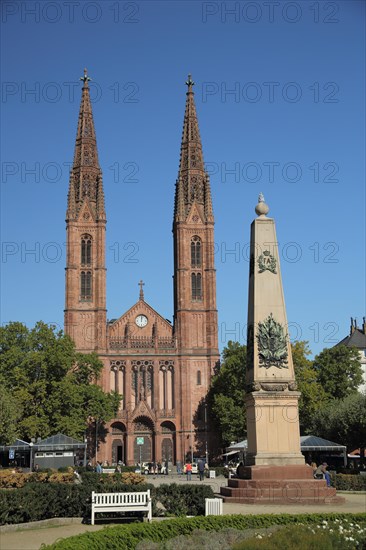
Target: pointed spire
{"type": "Point", "coordinates": [193, 182]}
{"type": "Point", "coordinates": [86, 173]}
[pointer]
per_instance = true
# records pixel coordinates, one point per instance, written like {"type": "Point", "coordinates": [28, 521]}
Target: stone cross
{"type": "Point", "coordinates": [141, 284]}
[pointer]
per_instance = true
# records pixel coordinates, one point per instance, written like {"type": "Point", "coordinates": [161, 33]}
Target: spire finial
{"type": "Point", "coordinates": [85, 78]}
{"type": "Point", "coordinates": [262, 208]}
{"type": "Point", "coordinates": [141, 284]}
{"type": "Point", "coordinates": [190, 83]}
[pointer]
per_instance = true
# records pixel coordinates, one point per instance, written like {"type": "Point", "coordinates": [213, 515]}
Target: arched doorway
{"type": "Point", "coordinates": [143, 440]}
{"type": "Point", "coordinates": [168, 448]}
{"type": "Point", "coordinates": [118, 433]}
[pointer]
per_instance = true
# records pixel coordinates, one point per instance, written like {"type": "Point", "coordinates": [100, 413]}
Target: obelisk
{"type": "Point", "coordinates": [275, 470]}
{"type": "Point", "coordinates": [272, 399]}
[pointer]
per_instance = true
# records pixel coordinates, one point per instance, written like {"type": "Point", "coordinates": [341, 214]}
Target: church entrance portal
{"type": "Point", "coordinates": [143, 443]}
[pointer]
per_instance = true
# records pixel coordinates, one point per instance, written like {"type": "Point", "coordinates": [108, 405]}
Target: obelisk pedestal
{"type": "Point", "coordinates": [275, 469]}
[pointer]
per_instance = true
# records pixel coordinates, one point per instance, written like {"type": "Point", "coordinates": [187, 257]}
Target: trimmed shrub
{"type": "Point", "coordinates": [10, 479]}
{"type": "Point", "coordinates": [183, 500]}
{"type": "Point", "coordinates": [345, 482]}
{"type": "Point", "coordinates": [37, 501]}
{"type": "Point", "coordinates": [128, 536]}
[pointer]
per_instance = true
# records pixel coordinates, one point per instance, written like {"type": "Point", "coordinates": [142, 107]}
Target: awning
{"type": "Point", "coordinates": [230, 453]}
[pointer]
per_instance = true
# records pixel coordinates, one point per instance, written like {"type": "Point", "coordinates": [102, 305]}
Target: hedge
{"type": "Point", "coordinates": [346, 482]}
{"type": "Point", "coordinates": [128, 536]}
{"type": "Point", "coordinates": [37, 501]}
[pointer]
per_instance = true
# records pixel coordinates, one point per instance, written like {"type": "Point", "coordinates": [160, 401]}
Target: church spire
{"type": "Point", "coordinates": [86, 175]}
{"type": "Point", "coordinates": [193, 181]}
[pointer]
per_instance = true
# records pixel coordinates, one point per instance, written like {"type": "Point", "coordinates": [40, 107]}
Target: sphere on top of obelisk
{"type": "Point", "coordinates": [262, 208]}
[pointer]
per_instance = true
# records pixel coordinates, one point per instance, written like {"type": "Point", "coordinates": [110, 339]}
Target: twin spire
{"type": "Point", "coordinates": [193, 184]}
{"type": "Point", "coordinates": [86, 182]}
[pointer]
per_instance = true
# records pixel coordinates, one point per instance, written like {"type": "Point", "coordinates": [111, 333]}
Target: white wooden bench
{"type": "Point", "coordinates": [121, 502]}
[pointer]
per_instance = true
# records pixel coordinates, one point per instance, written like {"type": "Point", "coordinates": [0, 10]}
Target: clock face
{"type": "Point", "coordinates": [141, 321]}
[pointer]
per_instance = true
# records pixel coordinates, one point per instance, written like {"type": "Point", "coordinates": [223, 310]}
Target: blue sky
{"type": "Point", "coordinates": [280, 99]}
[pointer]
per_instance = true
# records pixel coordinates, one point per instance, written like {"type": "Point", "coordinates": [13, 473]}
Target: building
{"type": "Point", "coordinates": [357, 339]}
{"type": "Point", "coordinates": [162, 370]}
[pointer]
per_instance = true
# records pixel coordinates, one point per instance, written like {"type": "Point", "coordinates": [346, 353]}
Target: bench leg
{"type": "Point", "coordinates": [92, 517]}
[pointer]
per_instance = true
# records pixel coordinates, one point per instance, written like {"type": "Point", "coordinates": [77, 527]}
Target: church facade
{"type": "Point", "coordinates": [162, 370]}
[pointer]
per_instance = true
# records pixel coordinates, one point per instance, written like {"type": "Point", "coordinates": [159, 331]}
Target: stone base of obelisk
{"type": "Point", "coordinates": [291, 484]}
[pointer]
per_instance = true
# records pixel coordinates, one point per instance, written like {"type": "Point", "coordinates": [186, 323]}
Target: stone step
{"type": "Point", "coordinates": [290, 494]}
{"type": "Point", "coordinates": [242, 483]}
{"type": "Point", "coordinates": [305, 500]}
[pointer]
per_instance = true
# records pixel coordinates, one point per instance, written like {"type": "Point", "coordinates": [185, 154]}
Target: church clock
{"type": "Point", "coordinates": [141, 321]}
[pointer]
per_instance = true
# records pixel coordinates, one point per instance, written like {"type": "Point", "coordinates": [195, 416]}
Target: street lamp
{"type": "Point", "coordinates": [85, 443]}
{"type": "Point", "coordinates": [96, 440]}
{"type": "Point", "coordinates": [206, 432]}
{"type": "Point", "coordinates": [31, 456]}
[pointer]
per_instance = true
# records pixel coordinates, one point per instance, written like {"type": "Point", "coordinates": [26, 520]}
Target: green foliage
{"type": "Point", "coordinates": [128, 536]}
{"type": "Point", "coordinates": [37, 501]}
{"type": "Point", "coordinates": [181, 500]}
{"type": "Point", "coordinates": [344, 482]}
{"type": "Point", "coordinates": [343, 421]}
{"type": "Point", "coordinates": [339, 371]}
{"type": "Point", "coordinates": [52, 386]}
{"type": "Point", "coordinates": [313, 396]}
{"type": "Point", "coordinates": [302, 538]}
{"type": "Point", "coordinates": [226, 395]}
{"type": "Point", "coordinates": [10, 413]}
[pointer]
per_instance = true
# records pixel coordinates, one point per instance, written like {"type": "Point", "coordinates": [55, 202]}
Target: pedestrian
{"type": "Point", "coordinates": [166, 467]}
{"type": "Point", "coordinates": [189, 471]}
{"type": "Point", "coordinates": [99, 468]}
{"type": "Point", "coordinates": [159, 468]}
{"type": "Point", "coordinates": [201, 469]}
{"type": "Point", "coordinates": [322, 473]}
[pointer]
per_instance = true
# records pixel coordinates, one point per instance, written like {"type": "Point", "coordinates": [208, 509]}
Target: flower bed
{"type": "Point", "coordinates": [128, 536]}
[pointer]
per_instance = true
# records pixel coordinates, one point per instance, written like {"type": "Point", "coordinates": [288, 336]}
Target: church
{"type": "Point", "coordinates": [162, 370]}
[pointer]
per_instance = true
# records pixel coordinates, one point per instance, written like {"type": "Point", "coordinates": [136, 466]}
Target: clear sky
{"type": "Point", "coordinates": [280, 92]}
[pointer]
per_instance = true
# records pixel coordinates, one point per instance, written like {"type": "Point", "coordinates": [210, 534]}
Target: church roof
{"type": "Point", "coordinates": [144, 305]}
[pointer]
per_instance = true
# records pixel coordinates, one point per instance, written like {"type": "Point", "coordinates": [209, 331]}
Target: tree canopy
{"type": "Point", "coordinates": [344, 421]}
{"type": "Point", "coordinates": [339, 371]}
{"type": "Point", "coordinates": [226, 396]}
{"type": "Point", "coordinates": [54, 387]}
{"type": "Point", "coordinates": [313, 395]}
{"type": "Point", "coordinates": [333, 375]}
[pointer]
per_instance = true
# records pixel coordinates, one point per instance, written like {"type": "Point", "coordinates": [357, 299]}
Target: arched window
{"type": "Point", "coordinates": [199, 378]}
{"type": "Point", "coordinates": [196, 252]}
{"type": "Point", "coordinates": [86, 285]}
{"type": "Point", "coordinates": [196, 286]}
{"type": "Point", "coordinates": [86, 250]}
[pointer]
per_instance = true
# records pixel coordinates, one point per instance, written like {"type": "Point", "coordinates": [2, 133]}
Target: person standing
{"type": "Point", "coordinates": [166, 467]}
{"type": "Point", "coordinates": [201, 469]}
{"type": "Point", "coordinates": [189, 471]}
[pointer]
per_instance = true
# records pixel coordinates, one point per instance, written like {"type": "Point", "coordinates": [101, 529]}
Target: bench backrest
{"type": "Point", "coordinates": [137, 498]}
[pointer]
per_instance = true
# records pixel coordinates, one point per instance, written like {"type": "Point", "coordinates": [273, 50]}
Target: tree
{"type": "Point", "coordinates": [313, 395]}
{"type": "Point", "coordinates": [54, 386]}
{"type": "Point", "coordinates": [226, 396]}
{"type": "Point", "coordinates": [10, 413]}
{"type": "Point", "coordinates": [344, 421]}
{"type": "Point", "coordinates": [339, 371]}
